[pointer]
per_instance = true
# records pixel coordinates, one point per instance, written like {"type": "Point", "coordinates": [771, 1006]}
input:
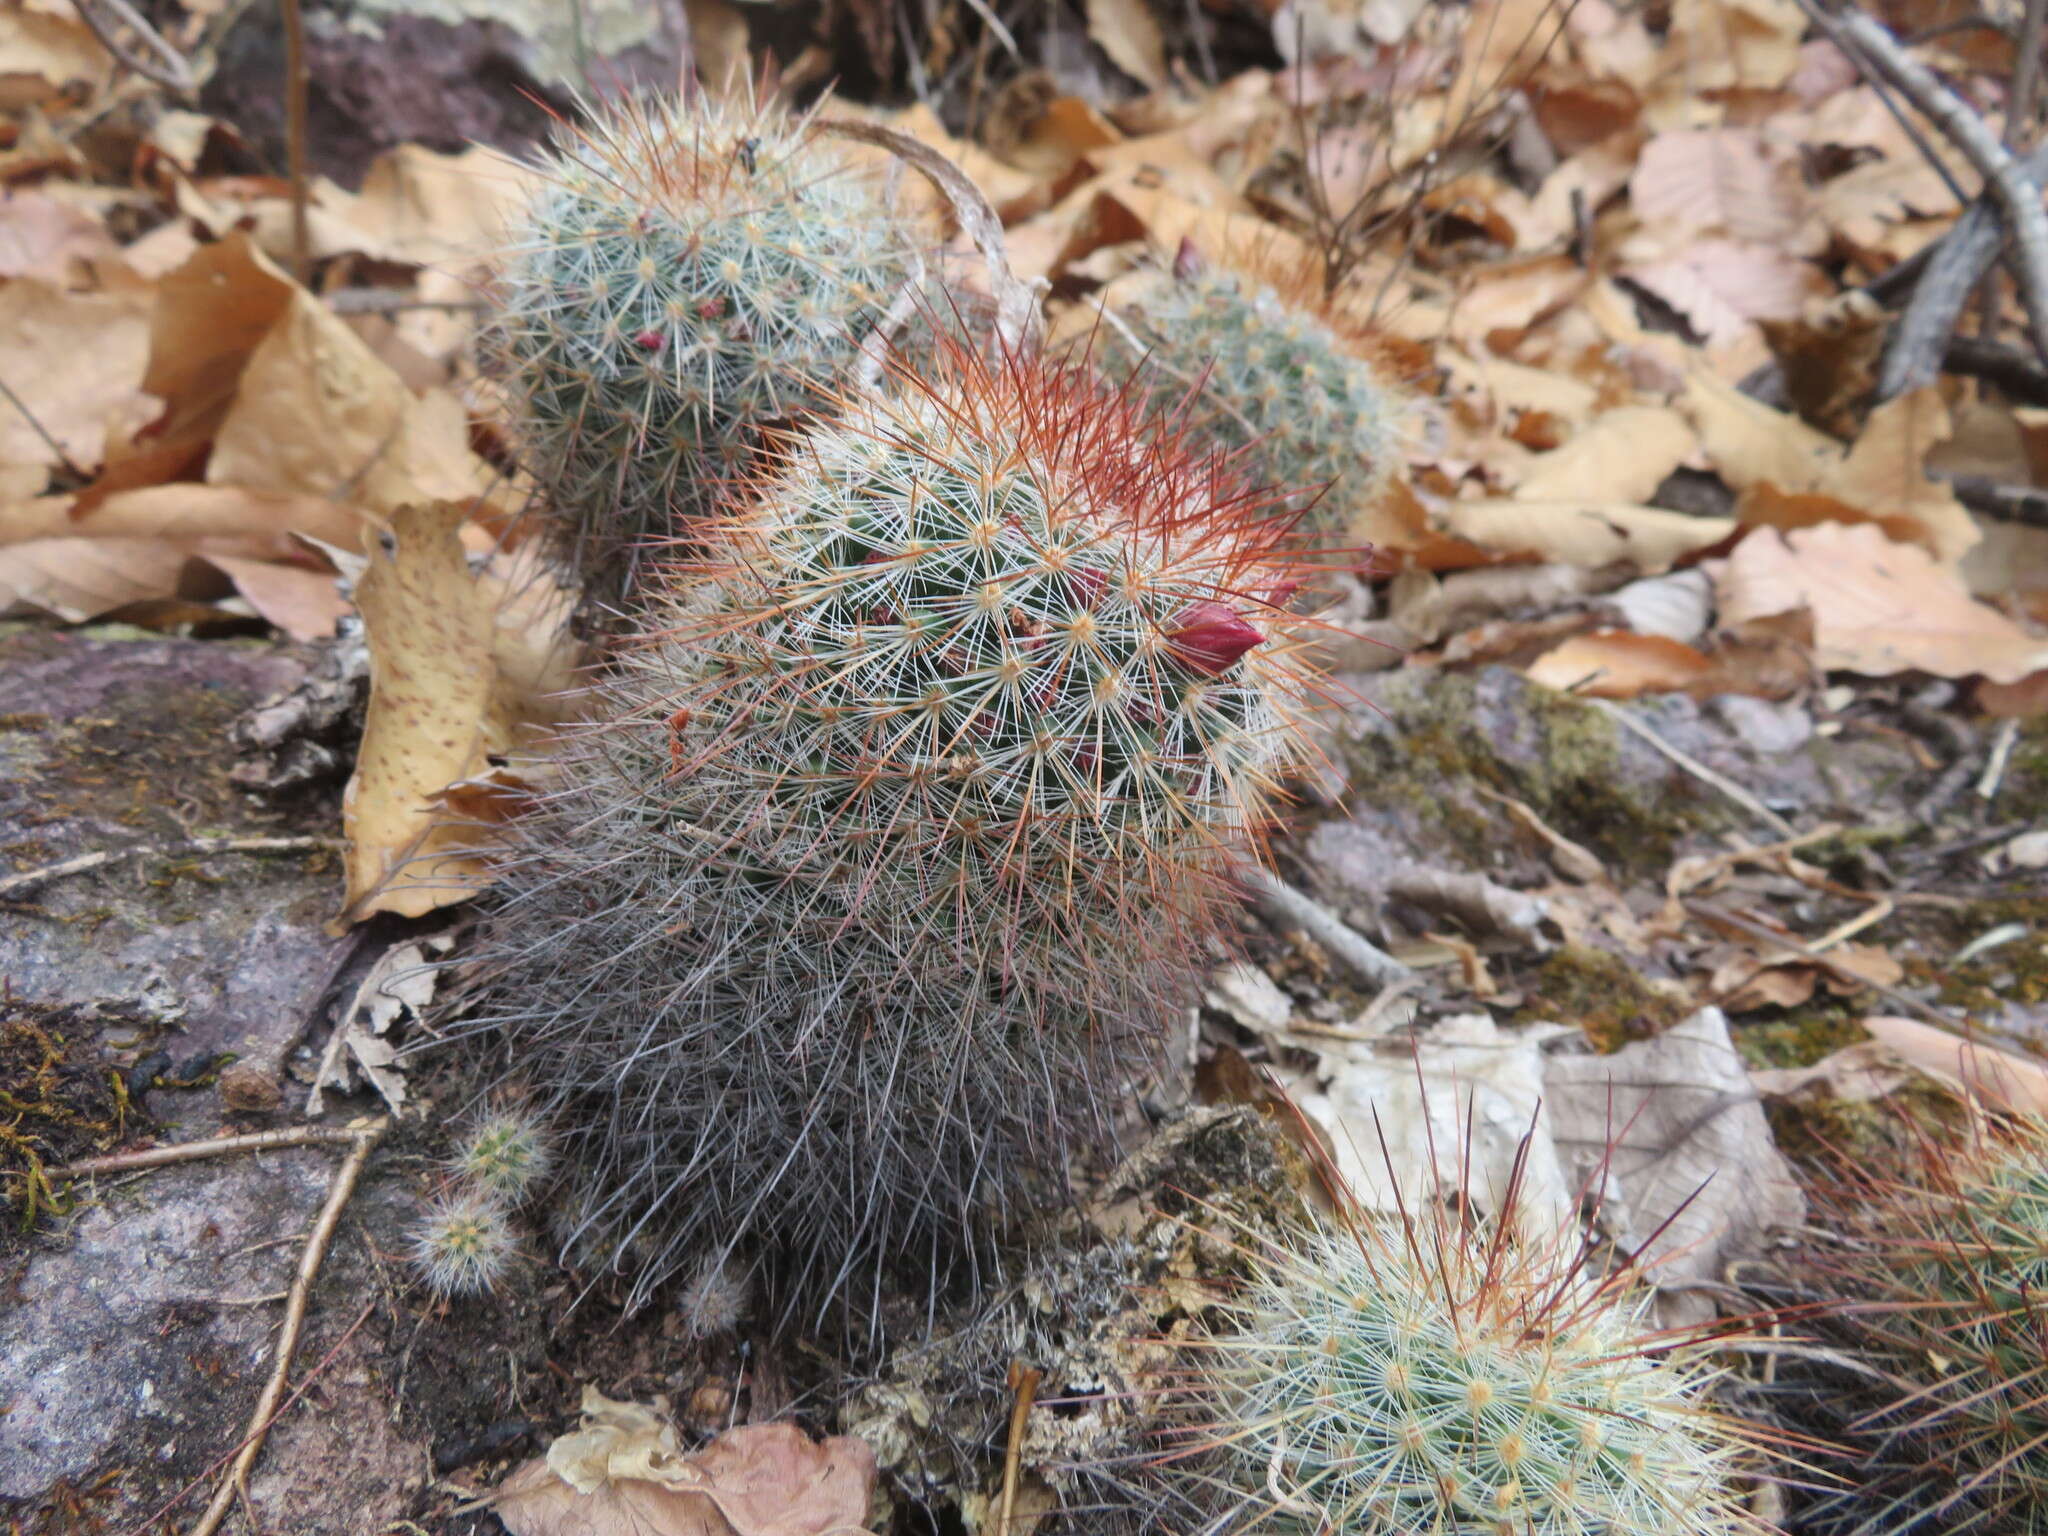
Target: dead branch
{"type": "Point", "coordinates": [1344, 944]}
{"type": "Point", "coordinates": [213, 1146]}
{"type": "Point", "coordinates": [170, 69]}
{"type": "Point", "coordinates": [197, 847]}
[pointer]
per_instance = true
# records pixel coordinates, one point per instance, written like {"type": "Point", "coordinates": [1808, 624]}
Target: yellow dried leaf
{"type": "Point", "coordinates": [464, 669]}
{"type": "Point", "coordinates": [79, 579]}
{"type": "Point", "coordinates": [1618, 664]}
{"type": "Point", "coordinates": [1623, 455]}
{"type": "Point", "coordinates": [1128, 32]}
{"type": "Point", "coordinates": [304, 603]}
{"type": "Point", "coordinates": [1885, 475]}
{"type": "Point", "coordinates": [1749, 444]}
{"type": "Point", "coordinates": [44, 57]}
{"type": "Point", "coordinates": [227, 519]}
{"type": "Point", "coordinates": [1585, 533]}
{"type": "Point", "coordinates": [76, 360]}
{"type": "Point", "coordinates": [1878, 607]}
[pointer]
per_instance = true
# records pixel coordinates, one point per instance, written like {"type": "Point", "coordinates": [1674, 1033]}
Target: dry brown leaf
{"type": "Point", "coordinates": [622, 1473]}
{"type": "Point", "coordinates": [435, 210]}
{"type": "Point", "coordinates": [1128, 32]}
{"type": "Point", "coordinates": [464, 669]}
{"type": "Point", "coordinates": [1617, 664]}
{"type": "Point", "coordinates": [1999, 1079]}
{"type": "Point", "coordinates": [225, 519]}
{"type": "Point", "coordinates": [1588, 533]}
{"type": "Point", "coordinates": [317, 412]}
{"type": "Point", "coordinates": [1726, 181]}
{"type": "Point", "coordinates": [1878, 607]}
{"type": "Point", "coordinates": [79, 579]}
{"type": "Point", "coordinates": [1723, 286]}
{"type": "Point", "coordinates": [1885, 476]}
{"type": "Point", "coordinates": [43, 238]}
{"type": "Point", "coordinates": [1623, 455]}
{"type": "Point", "coordinates": [76, 360]}
{"type": "Point", "coordinates": [1513, 296]}
{"type": "Point", "coordinates": [1855, 1074]}
{"type": "Point", "coordinates": [302, 602]}
{"type": "Point", "coordinates": [46, 58]}
{"type": "Point", "coordinates": [1735, 44]}
{"type": "Point", "coordinates": [1749, 444]}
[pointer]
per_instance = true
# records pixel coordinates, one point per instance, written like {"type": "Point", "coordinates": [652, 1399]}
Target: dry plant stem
{"type": "Point", "coordinates": [1024, 1382]}
{"type": "Point", "coordinates": [170, 69]}
{"type": "Point", "coordinates": [198, 846]}
{"type": "Point", "coordinates": [215, 1146]}
{"type": "Point", "coordinates": [2024, 504]}
{"type": "Point", "coordinates": [295, 133]}
{"type": "Point", "coordinates": [237, 1481]}
{"type": "Point", "coordinates": [1698, 769]}
{"type": "Point", "coordinates": [2018, 196]}
{"type": "Point", "coordinates": [1345, 944]}
{"type": "Point", "coordinates": [2001, 754]}
{"type": "Point", "coordinates": [2017, 376]}
{"type": "Point", "coordinates": [1762, 935]}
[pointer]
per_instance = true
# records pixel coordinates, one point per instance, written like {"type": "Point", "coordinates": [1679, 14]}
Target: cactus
{"type": "Point", "coordinates": [1303, 392]}
{"type": "Point", "coordinates": [892, 855]}
{"type": "Point", "coordinates": [464, 1245]}
{"type": "Point", "coordinates": [689, 274]}
{"type": "Point", "coordinates": [1379, 1377]}
{"type": "Point", "coordinates": [504, 1155]}
{"type": "Point", "coordinates": [1949, 1273]}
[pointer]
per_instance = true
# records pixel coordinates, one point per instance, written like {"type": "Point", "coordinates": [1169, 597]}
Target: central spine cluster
{"type": "Point", "coordinates": [895, 856]}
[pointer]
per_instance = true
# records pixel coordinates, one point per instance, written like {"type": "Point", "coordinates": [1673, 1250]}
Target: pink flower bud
{"type": "Point", "coordinates": [650, 341]}
{"type": "Point", "coordinates": [1209, 637]}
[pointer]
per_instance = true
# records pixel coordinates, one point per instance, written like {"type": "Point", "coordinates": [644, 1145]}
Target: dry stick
{"type": "Point", "coordinates": [2024, 504]}
{"type": "Point", "coordinates": [2011, 186]}
{"type": "Point", "coordinates": [237, 1481]}
{"type": "Point", "coordinates": [213, 1146]}
{"type": "Point", "coordinates": [87, 862]}
{"type": "Point", "coordinates": [295, 134]}
{"type": "Point", "coordinates": [1024, 1382]}
{"type": "Point", "coordinates": [2017, 376]}
{"type": "Point", "coordinates": [1345, 944]}
{"type": "Point", "coordinates": [2001, 754]}
{"type": "Point", "coordinates": [1699, 770]}
{"type": "Point", "coordinates": [172, 73]}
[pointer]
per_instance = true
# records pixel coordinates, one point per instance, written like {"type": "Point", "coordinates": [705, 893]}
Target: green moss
{"type": "Point", "coordinates": [1800, 1036]}
{"type": "Point", "coordinates": [1570, 775]}
{"type": "Point", "coordinates": [1872, 1134]}
{"type": "Point", "coordinates": [2013, 974]}
{"type": "Point", "coordinates": [1602, 994]}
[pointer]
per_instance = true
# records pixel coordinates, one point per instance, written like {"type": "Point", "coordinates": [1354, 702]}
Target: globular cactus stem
{"type": "Point", "coordinates": [690, 274]}
{"type": "Point", "coordinates": [1381, 1377]}
{"type": "Point", "coordinates": [891, 859]}
{"type": "Point", "coordinates": [1258, 362]}
{"type": "Point", "coordinates": [465, 1244]}
{"type": "Point", "coordinates": [504, 1155]}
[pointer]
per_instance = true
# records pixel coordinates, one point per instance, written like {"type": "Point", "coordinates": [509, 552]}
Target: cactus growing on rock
{"type": "Point", "coordinates": [1271, 372]}
{"type": "Point", "coordinates": [890, 859]}
{"type": "Point", "coordinates": [689, 274]}
{"type": "Point", "coordinates": [1380, 1377]}
{"type": "Point", "coordinates": [1947, 1271]}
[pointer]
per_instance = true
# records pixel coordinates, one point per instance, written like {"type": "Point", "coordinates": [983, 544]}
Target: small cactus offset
{"type": "Point", "coordinates": [891, 862]}
{"type": "Point", "coordinates": [1383, 1377]}
{"type": "Point", "coordinates": [1271, 374]}
{"type": "Point", "coordinates": [690, 273]}
{"type": "Point", "coordinates": [465, 1244]}
{"type": "Point", "coordinates": [1948, 1278]}
{"type": "Point", "coordinates": [504, 1155]}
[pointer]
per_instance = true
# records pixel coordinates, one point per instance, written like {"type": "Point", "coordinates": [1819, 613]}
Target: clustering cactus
{"type": "Point", "coordinates": [465, 1244]}
{"type": "Point", "coordinates": [1381, 1378]}
{"type": "Point", "coordinates": [891, 857]}
{"type": "Point", "coordinates": [690, 273]}
{"type": "Point", "coordinates": [1948, 1278]}
{"type": "Point", "coordinates": [504, 1155]}
{"type": "Point", "coordinates": [1253, 365]}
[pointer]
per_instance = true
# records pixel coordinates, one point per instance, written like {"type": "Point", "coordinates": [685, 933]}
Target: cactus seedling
{"type": "Point", "coordinates": [504, 1155]}
{"type": "Point", "coordinates": [895, 853]}
{"type": "Point", "coordinates": [1300, 390]}
{"type": "Point", "coordinates": [464, 1244]}
{"type": "Point", "coordinates": [690, 273]}
{"type": "Point", "coordinates": [1382, 1377]}
{"type": "Point", "coordinates": [1951, 1276]}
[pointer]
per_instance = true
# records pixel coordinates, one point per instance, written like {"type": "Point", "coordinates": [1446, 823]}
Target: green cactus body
{"type": "Point", "coordinates": [892, 861]}
{"type": "Point", "coordinates": [1382, 1380]}
{"type": "Point", "coordinates": [1958, 1267]}
{"type": "Point", "coordinates": [1269, 377]}
{"type": "Point", "coordinates": [689, 275]}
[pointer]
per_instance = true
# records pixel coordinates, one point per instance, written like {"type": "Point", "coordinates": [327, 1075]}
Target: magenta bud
{"type": "Point", "coordinates": [650, 341]}
{"type": "Point", "coordinates": [1209, 637]}
{"type": "Point", "coordinates": [1187, 261]}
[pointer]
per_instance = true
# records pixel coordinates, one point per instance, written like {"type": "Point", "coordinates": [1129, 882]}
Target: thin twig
{"type": "Point", "coordinates": [2023, 380]}
{"type": "Point", "coordinates": [2001, 754]}
{"type": "Point", "coordinates": [2023, 504]}
{"type": "Point", "coordinates": [295, 134]}
{"type": "Point", "coordinates": [2017, 194]}
{"type": "Point", "coordinates": [1024, 1382]}
{"type": "Point", "coordinates": [1344, 944]}
{"type": "Point", "coordinates": [268, 1405]}
{"type": "Point", "coordinates": [1699, 770]}
{"type": "Point", "coordinates": [2026, 78]}
{"type": "Point", "coordinates": [171, 72]}
{"type": "Point", "coordinates": [213, 1146]}
{"type": "Point", "coordinates": [1762, 935]}
{"type": "Point", "coordinates": [197, 847]}
{"type": "Point", "coordinates": [43, 432]}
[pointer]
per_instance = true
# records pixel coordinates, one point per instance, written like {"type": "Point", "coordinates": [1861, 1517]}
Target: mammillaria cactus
{"type": "Point", "coordinates": [464, 1244]}
{"type": "Point", "coordinates": [1382, 1377]}
{"type": "Point", "coordinates": [1305, 394]}
{"type": "Point", "coordinates": [690, 273]}
{"type": "Point", "coordinates": [890, 859]}
{"type": "Point", "coordinates": [1948, 1277]}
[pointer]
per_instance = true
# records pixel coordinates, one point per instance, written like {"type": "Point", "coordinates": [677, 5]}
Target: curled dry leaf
{"type": "Point", "coordinates": [1128, 32]}
{"type": "Point", "coordinates": [76, 361]}
{"type": "Point", "coordinates": [622, 1473]}
{"type": "Point", "coordinates": [1878, 608]}
{"type": "Point", "coordinates": [1623, 455]}
{"type": "Point", "coordinates": [2000, 1080]}
{"type": "Point", "coordinates": [79, 579]}
{"type": "Point", "coordinates": [467, 678]}
{"type": "Point", "coordinates": [303, 602]}
{"type": "Point", "coordinates": [1617, 664]}
{"type": "Point", "coordinates": [1588, 533]}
